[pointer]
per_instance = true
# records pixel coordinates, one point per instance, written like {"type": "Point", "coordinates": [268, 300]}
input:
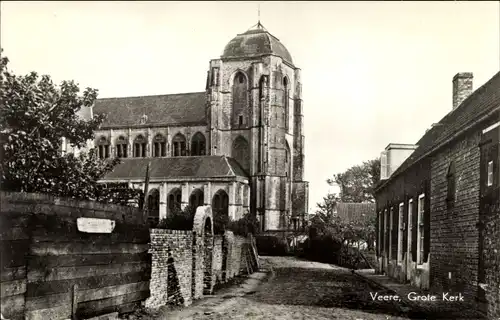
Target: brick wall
{"type": "Point", "coordinates": [171, 267]}
{"type": "Point", "coordinates": [182, 264]}
{"type": "Point", "coordinates": [454, 231]}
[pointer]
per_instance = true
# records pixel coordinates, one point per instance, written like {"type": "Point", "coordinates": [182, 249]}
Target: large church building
{"type": "Point", "coordinates": [237, 146]}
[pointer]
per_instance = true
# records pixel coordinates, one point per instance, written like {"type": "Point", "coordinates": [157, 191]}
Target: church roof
{"type": "Point", "coordinates": [160, 110]}
{"type": "Point", "coordinates": [176, 168]}
{"type": "Point", "coordinates": [255, 43]}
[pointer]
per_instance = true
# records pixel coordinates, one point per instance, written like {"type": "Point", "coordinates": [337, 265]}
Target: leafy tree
{"type": "Point", "coordinates": [179, 219]}
{"type": "Point", "coordinates": [357, 183]}
{"type": "Point", "coordinates": [35, 116]}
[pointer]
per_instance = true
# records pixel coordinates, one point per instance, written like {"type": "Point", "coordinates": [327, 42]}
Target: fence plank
{"type": "Point", "coordinates": [14, 233]}
{"type": "Point", "coordinates": [104, 306]}
{"type": "Point", "coordinates": [51, 248]}
{"type": "Point", "coordinates": [64, 273]}
{"type": "Point", "coordinates": [13, 253]}
{"type": "Point", "coordinates": [49, 301]}
{"type": "Point", "coordinates": [12, 288]}
{"type": "Point", "coordinates": [69, 260]}
{"type": "Point", "coordinates": [112, 291]}
{"type": "Point", "coordinates": [9, 274]}
{"type": "Point", "coordinates": [35, 289]}
{"type": "Point", "coordinates": [13, 306]}
{"type": "Point", "coordinates": [56, 313]}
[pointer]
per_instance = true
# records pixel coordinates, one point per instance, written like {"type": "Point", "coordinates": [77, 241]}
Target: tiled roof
{"type": "Point", "coordinates": [355, 212]}
{"type": "Point", "coordinates": [483, 101]}
{"type": "Point", "coordinates": [254, 43]}
{"type": "Point", "coordinates": [182, 108]}
{"type": "Point", "coordinates": [176, 167]}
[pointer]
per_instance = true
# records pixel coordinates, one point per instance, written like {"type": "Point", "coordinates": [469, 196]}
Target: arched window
{"type": "Point", "coordinates": [196, 199]}
{"type": "Point", "coordinates": [286, 101]}
{"type": "Point", "coordinates": [121, 147]}
{"type": "Point", "coordinates": [450, 179]}
{"type": "Point", "coordinates": [241, 152]}
{"type": "Point", "coordinates": [220, 203]}
{"type": "Point", "coordinates": [154, 203]}
{"type": "Point", "coordinates": [198, 144]}
{"type": "Point", "coordinates": [159, 146]}
{"type": "Point", "coordinates": [174, 199]}
{"type": "Point", "coordinates": [179, 145]}
{"type": "Point", "coordinates": [240, 113]}
{"type": "Point", "coordinates": [140, 145]}
{"type": "Point", "coordinates": [103, 148]}
{"type": "Point", "coordinates": [288, 162]}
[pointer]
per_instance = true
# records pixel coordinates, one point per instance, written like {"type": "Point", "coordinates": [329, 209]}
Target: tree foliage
{"type": "Point", "coordinates": [35, 116]}
{"type": "Point", "coordinates": [357, 183]}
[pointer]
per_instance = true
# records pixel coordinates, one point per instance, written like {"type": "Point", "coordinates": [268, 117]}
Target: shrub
{"type": "Point", "coordinates": [244, 226]}
{"type": "Point", "coordinates": [178, 219]}
{"type": "Point", "coordinates": [221, 222]}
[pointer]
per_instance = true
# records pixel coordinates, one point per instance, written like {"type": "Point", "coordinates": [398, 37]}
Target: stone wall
{"type": "Point", "coordinates": [177, 260]}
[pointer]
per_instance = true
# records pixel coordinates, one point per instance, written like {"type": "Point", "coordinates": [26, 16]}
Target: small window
{"type": "Point", "coordinates": [240, 120]}
{"type": "Point", "coordinates": [490, 173]}
{"type": "Point", "coordinates": [421, 223]}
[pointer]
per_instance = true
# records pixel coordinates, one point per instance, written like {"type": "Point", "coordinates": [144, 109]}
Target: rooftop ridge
{"type": "Point", "coordinates": [153, 95]}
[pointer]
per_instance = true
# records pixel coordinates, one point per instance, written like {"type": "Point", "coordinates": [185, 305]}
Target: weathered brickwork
{"type": "Point", "coordinates": [177, 260]}
{"type": "Point", "coordinates": [489, 279]}
{"type": "Point", "coordinates": [454, 230]}
{"type": "Point", "coordinates": [171, 267]}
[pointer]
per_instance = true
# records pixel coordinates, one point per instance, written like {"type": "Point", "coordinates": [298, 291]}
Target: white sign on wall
{"type": "Point", "coordinates": [94, 225]}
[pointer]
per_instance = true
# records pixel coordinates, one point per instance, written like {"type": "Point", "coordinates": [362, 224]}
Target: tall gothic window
{"type": "Point", "coordinates": [140, 146]}
{"type": "Point", "coordinates": [196, 198]}
{"type": "Point", "coordinates": [450, 179]}
{"type": "Point", "coordinates": [198, 144]}
{"type": "Point", "coordinates": [103, 148]}
{"type": "Point", "coordinates": [240, 100]}
{"type": "Point", "coordinates": [154, 203]}
{"type": "Point", "coordinates": [179, 145]}
{"type": "Point", "coordinates": [174, 199]}
{"type": "Point", "coordinates": [220, 203]}
{"type": "Point", "coordinates": [286, 101]}
{"type": "Point", "coordinates": [121, 147]}
{"type": "Point", "coordinates": [159, 146]}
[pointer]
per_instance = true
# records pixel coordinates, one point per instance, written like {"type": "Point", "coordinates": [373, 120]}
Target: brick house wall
{"type": "Point", "coordinates": [454, 230]}
{"type": "Point", "coordinates": [489, 245]}
{"type": "Point", "coordinates": [406, 186]}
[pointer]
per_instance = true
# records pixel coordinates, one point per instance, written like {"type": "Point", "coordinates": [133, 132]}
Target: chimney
{"type": "Point", "coordinates": [462, 87]}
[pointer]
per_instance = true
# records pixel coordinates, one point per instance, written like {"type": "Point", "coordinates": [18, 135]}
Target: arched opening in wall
{"type": "Point", "coordinates": [286, 102]}
{"type": "Point", "coordinates": [103, 146]}
{"type": "Point", "coordinates": [174, 200]}
{"type": "Point", "coordinates": [240, 151]}
{"type": "Point", "coordinates": [240, 100]}
{"type": "Point", "coordinates": [159, 146]}
{"type": "Point", "coordinates": [196, 199]}
{"type": "Point", "coordinates": [121, 147]}
{"type": "Point", "coordinates": [198, 144]}
{"type": "Point", "coordinates": [140, 146]}
{"type": "Point", "coordinates": [153, 205]}
{"type": "Point", "coordinates": [179, 145]}
{"type": "Point", "coordinates": [220, 203]}
{"type": "Point", "coordinates": [208, 242]}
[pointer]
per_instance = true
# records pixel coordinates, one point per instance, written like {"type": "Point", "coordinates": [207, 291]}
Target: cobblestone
{"type": "Point", "coordinates": [298, 289]}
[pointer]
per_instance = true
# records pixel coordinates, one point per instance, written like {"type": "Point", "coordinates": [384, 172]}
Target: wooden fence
{"type": "Point", "coordinates": [50, 269]}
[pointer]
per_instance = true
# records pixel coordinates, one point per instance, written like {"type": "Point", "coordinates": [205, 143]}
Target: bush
{"type": "Point", "coordinates": [221, 222]}
{"type": "Point", "coordinates": [178, 219]}
{"type": "Point", "coordinates": [244, 226]}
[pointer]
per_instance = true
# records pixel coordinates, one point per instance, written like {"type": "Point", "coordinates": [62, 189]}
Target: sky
{"type": "Point", "coordinates": [373, 73]}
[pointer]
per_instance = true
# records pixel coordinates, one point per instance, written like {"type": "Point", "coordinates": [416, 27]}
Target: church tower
{"type": "Point", "coordinates": [254, 112]}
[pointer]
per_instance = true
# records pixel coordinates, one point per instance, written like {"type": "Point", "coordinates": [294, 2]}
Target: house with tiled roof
{"type": "Point", "coordinates": [438, 201]}
{"type": "Point", "coordinates": [237, 146]}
